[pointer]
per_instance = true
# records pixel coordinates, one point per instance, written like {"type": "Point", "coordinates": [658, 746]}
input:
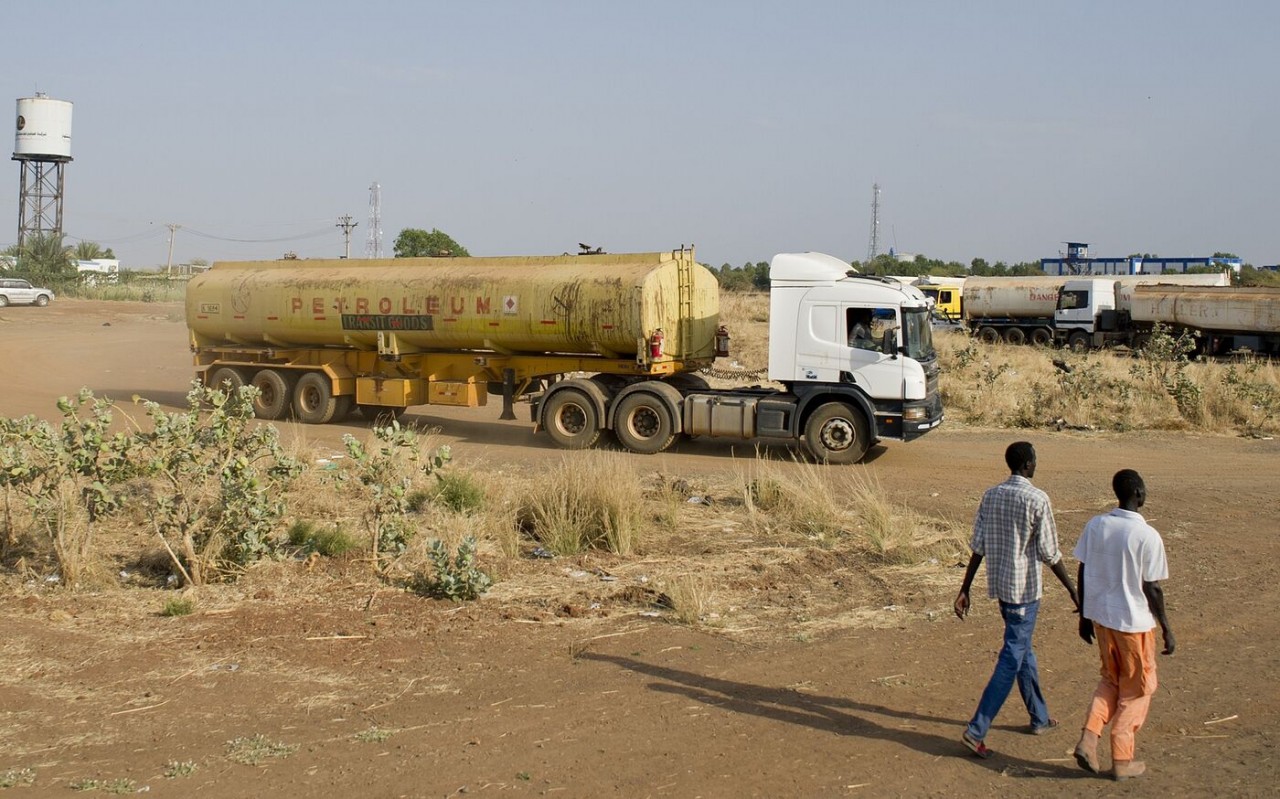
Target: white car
{"type": "Point", "coordinates": [16, 291]}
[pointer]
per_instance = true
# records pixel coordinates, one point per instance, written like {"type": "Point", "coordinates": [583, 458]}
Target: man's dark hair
{"type": "Point", "coordinates": [1019, 455]}
{"type": "Point", "coordinates": [1126, 484]}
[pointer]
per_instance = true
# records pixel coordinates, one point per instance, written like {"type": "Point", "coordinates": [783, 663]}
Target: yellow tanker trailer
{"type": "Point", "coordinates": [318, 338]}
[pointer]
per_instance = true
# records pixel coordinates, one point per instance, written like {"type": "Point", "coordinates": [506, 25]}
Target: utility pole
{"type": "Point", "coordinates": [346, 224]}
{"type": "Point", "coordinates": [168, 264]}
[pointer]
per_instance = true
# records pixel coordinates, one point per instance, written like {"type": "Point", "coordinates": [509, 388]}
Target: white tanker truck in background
{"type": "Point", "coordinates": [593, 342]}
{"type": "Point", "coordinates": [1092, 312]}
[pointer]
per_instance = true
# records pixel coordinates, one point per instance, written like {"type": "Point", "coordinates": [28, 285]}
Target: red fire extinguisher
{"type": "Point", "coordinates": [722, 342]}
{"type": "Point", "coordinates": [655, 344]}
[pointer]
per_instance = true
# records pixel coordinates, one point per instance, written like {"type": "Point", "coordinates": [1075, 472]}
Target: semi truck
{"type": "Point", "coordinates": [594, 343]}
{"type": "Point", "coordinates": [1078, 312]}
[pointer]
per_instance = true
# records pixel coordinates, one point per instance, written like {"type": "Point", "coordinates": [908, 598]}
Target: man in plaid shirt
{"type": "Point", "coordinates": [1015, 532]}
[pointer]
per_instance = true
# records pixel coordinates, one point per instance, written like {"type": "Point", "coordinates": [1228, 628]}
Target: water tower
{"type": "Point", "coordinates": [42, 147]}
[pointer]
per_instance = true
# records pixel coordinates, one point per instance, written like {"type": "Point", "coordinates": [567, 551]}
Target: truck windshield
{"type": "Point", "coordinates": [917, 334]}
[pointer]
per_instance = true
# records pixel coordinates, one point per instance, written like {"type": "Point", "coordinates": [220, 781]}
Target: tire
{"type": "Point", "coordinates": [571, 419]}
{"type": "Point", "coordinates": [343, 407]}
{"type": "Point", "coordinates": [837, 433]}
{"type": "Point", "coordinates": [643, 423]}
{"type": "Point", "coordinates": [42, 300]}
{"type": "Point", "coordinates": [1041, 337]}
{"type": "Point", "coordinates": [274, 394]}
{"type": "Point", "coordinates": [988, 335]}
{"type": "Point", "coordinates": [313, 400]}
{"type": "Point", "coordinates": [1140, 341]}
{"type": "Point", "coordinates": [3, 300]}
{"type": "Point", "coordinates": [228, 376]}
{"type": "Point", "coordinates": [1078, 342]}
{"type": "Point", "coordinates": [1015, 335]}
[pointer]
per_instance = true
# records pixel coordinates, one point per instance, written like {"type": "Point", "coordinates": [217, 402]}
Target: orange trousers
{"type": "Point", "coordinates": [1123, 696]}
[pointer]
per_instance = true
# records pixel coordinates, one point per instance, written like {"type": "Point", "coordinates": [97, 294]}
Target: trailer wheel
{"type": "Point", "coordinates": [571, 419]}
{"type": "Point", "coordinates": [1015, 335]}
{"type": "Point", "coordinates": [643, 423]}
{"type": "Point", "coordinates": [1041, 337]}
{"type": "Point", "coordinates": [1078, 342]}
{"type": "Point", "coordinates": [342, 408]}
{"type": "Point", "coordinates": [988, 335]}
{"type": "Point", "coordinates": [228, 376]}
{"type": "Point", "coordinates": [837, 433]}
{"type": "Point", "coordinates": [274, 391]}
{"type": "Point", "coordinates": [313, 400]}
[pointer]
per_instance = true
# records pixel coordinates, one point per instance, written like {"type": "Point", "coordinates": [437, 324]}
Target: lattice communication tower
{"type": "Point", "coordinates": [373, 247]}
{"type": "Point", "coordinates": [873, 247]}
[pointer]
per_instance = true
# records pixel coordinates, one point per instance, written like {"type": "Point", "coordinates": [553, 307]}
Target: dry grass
{"type": "Point", "coordinates": [690, 597]}
{"type": "Point", "coordinates": [590, 500]}
{"type": "Point", "coordinates": [1016, 386]}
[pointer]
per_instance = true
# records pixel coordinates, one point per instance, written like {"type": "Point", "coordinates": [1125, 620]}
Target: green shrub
{"type": "Point", "coordinates": [459, 492]}
{"type": "Point", "coordinates": [178, 606]}
{"type": "Point", "coordinates": [457, 579]}
{"type": "Point", "coordinates": [327, 541]}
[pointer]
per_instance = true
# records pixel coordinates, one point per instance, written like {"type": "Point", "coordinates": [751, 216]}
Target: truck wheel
{"type": "Point", "coordinates": [1014, 335]}
{"type": "Point", "coordinates": [272, 401]}
{"type": "Point", "coordinates": [1041, 337]}
{"type": "Point", "coordinates": [1141, 340]}
{"type": "Point", "coordinates": [988, 335]}
{"type": "Point", "coordinates": [571, 419]}
{"type": "Point", "coordinates": [226, 378]}
{"type": "Point", "coordinates": [837, 433]}
{"type": "Point", "coordinates": [42, 300]}
{"type": "Point", "coordinates": [1078, 342]}
{"type": "Point", "coordinates": [313, 400]}
{"type": "Point", "coordinates": [643, 423]}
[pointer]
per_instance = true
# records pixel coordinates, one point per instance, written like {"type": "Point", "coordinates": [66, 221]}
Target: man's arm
{"type": "Point", "coordinates": [962, 599]}
{"type": "Point", "coordinates": [1086, 625]}
{"type": "Point", "coordinates": [1059, 570]}
{"type": "Point", "coordinates": [1155, 601]}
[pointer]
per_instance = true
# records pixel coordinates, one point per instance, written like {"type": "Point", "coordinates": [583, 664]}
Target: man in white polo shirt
{"type": "Point", "coordinates": [1122, 562]}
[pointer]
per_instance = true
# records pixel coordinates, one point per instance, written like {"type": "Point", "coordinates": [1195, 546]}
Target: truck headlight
{"type": "Point", "coordinates": [917, 414]}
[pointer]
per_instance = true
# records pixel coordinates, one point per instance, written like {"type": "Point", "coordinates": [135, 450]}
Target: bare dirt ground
{"type": "Point", "coordinates": [498, 697]}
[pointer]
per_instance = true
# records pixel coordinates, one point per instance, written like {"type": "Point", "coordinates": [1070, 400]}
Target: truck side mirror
{"type": "Point", "coordinates": [890, 345]}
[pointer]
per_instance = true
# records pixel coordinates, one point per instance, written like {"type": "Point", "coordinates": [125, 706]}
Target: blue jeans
{"type": "Point", "coordinates": [1017, 662]}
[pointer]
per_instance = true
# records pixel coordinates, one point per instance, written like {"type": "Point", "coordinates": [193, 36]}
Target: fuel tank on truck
{"type": "Point", "coordinates": [605, 304]}
{"type": "Point", "coordinates": [1253, 310]}
{"type": "Point", "coordinates": [1125, 284]}
{"type": "Point", "coordinates": [1017, 297]}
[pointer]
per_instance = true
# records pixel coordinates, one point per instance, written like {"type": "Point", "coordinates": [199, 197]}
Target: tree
{"type": "Point", "coordinates": [417, 243]}
{"type": "Point", "coordinates": [45, 260]}
{"type": "Point", "coordinates": [90, 251]}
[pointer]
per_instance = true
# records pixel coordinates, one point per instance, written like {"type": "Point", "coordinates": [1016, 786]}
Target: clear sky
{"type": "Point", "coordinates": [995, 129]}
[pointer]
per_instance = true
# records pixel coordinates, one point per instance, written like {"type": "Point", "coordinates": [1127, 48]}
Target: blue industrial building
{"type": "Point", "coordinates": [1078, 262]}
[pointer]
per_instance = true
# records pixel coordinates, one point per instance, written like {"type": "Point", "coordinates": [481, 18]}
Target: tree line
{"type": "Point", "coordinates": [755, 276]}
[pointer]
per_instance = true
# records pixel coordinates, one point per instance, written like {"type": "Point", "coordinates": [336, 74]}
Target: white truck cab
{"type": "Point", "coordinates": [834, 333]}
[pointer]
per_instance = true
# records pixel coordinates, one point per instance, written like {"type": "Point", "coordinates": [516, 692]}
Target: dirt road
{"type": "Point", "coordinates": [386, 694]}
